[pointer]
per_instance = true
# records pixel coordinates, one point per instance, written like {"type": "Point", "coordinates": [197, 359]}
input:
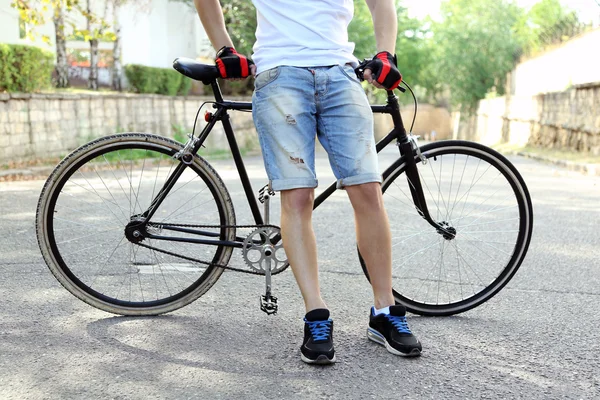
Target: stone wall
{"type": "Point", "coordinates": [44, 126]}
{"type": "Point", "coordinates": [563, 120]}
{"type": "Point", "coordinates": [570, 120]}
{"type": "Point", "coordinates": [41, 126]}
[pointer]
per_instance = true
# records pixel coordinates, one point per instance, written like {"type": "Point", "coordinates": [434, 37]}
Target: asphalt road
{"type": "Point", "coordinates": [537, 339]}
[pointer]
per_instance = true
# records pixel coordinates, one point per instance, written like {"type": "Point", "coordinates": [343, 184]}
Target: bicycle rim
{"type": "Point", "coordinates": [474, 191]}
{"type": "Point", "coordinates": [95, 193]}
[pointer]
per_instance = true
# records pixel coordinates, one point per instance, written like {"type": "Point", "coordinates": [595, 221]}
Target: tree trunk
{"type": "Point", "coordinates": [93, 79]}
{"type": "Point", "coordinates": [62, 66]}
{"type": "Point", "coordinates": [117, 71]}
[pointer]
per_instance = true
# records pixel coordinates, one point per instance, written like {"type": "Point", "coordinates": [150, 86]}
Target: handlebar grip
{"type": "Point", "coordinates": [360, 70]}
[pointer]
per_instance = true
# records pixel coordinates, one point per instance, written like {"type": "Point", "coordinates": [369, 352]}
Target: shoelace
{"type": "Point", "coordinates": [399, 323]}
{"type": "Point", "coordinates": [320, 330]}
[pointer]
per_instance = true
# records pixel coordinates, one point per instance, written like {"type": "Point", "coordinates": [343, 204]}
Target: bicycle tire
{"type": "Point", "coordinates": [87, 190]}
{"type": "Point", "coordinates": [467, 158]}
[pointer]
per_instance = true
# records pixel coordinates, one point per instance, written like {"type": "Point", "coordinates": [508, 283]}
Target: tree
{"type": "Point", "coordinates": [97, 28]}
{"type": "Point", "coordinates": [34, 13]}
{"type": "Point", "coordinates": [547, 23]}
{"type": "Point", "coordinates": [474, 48]}
{"type": "Point", "coordinates": [117, 69]}
{"type": "Point", "coordinates": [141, 6]}
{"type": "Point", "coordinates": [62, 65]}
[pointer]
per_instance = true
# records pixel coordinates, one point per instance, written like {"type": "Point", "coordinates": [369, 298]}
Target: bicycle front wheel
{"type": "Point", "coordinates": [475, 192]}
{"type": "Point", "coordinates": [97, 191]}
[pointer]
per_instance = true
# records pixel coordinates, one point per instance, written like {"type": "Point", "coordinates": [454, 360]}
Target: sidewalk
{"type": "Point", "coordinates": [25, 173]}
{"type": "Point", "coordinates": [590, 169]}
{"type": "Point", "coordinates": [587, 166]}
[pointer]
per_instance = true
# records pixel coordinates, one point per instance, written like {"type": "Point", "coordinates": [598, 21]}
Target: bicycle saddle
{"type": "Point", "coordinates": [196, 70]}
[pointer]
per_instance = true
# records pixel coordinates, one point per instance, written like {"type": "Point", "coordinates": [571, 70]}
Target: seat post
{"type": "Point", "coordinates": [217, 91]}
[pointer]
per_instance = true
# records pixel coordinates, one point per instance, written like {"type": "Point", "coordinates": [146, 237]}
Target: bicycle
{"type": "Point", "coordinates": [139, 224]}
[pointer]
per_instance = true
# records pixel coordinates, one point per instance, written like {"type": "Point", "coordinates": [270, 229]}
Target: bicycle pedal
{"type": "Point", "coordinates": [264, 191]}
{"type": "Point", "coordinates": [268, 304]}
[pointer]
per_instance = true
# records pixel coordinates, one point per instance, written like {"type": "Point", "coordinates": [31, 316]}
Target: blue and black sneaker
{"type": "Point", "coordinates": [317, 347]}
{"type": "Point", "coordinates": [391, 330]}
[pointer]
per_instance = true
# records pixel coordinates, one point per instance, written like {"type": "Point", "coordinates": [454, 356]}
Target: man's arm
{"type": "Point", "coordinates": [211, 16]}
{"type": "Point", "coordinates": [385, 22]}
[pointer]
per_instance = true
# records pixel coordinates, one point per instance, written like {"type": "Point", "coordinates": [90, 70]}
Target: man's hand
{"type": "Point", "coordinates": [382, 71]}
{"type": "Point", "coordinates": [233, 65]}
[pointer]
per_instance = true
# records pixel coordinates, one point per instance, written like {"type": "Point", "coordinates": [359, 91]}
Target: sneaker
{"type": "Point", "coordinates": [318, 338]}
{"type": "Point", "coordinates": [391, 330]}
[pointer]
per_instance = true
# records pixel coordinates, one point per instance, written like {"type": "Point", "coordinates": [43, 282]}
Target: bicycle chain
{"type": "Point", "coordinates": [210, 264]}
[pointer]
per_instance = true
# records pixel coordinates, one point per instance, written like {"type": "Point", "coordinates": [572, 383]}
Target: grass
{"type": "Point", "coordinates": [82, 90]}
{"type": "Point", "coordinates": [140, 154]}
{"type": "Point", "coordinates": [555, 154]}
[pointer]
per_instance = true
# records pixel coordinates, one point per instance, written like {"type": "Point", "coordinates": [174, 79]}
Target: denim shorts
{"type": "Point", "coordinates": [293, 105]}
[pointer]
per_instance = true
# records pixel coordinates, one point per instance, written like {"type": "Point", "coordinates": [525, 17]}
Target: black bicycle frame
{"type": "Point", "coordinates": [221, 114]}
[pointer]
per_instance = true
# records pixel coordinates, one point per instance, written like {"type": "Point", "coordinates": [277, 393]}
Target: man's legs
{"type": "Point", "coordinates": [387, 322]}
{"type": "Point", "coordinates": [301, 250]}
{"type": "Point", "coordinates": [300, 243]}
{"type": "Point", "coordinates": [284, 111]}
{"type": "Point", "coordinates": [374, 239]}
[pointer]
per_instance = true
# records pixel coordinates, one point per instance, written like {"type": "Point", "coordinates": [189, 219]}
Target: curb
{"type": "Point", "coordinates": [25, 174]}
{"type": "Point", "coordinates": [586, 169]}
{"type": "Point", "coordinates": [42, 172]}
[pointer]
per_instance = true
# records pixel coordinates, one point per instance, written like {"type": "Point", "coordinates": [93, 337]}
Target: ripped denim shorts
{"type": "Point", "coordinates": [293, 105]}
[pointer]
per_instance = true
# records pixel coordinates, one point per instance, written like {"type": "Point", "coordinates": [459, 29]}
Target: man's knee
{"type": "Point", "coordinates": [297, 200]}
{"type": "Point", "coordinates": [366, 195]}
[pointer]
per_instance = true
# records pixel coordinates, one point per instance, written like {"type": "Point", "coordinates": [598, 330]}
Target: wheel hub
{"type": "Point", "coordinates": [448, 232]}
{"type": "Point", "coordinates": [135, 230]}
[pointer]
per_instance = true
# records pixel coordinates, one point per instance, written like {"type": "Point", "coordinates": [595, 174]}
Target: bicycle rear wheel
{"type": "Point", "coordinates": [479, 194]}
{"type": "Point", "coordinates": [96, 191]}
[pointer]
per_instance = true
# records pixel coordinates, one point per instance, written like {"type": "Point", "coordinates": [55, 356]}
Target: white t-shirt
{"type": "Point", "coordinates": [303, 33]}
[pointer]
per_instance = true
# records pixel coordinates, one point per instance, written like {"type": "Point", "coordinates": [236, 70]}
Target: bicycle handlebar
{"type": "Point", "coordinates": [208, 73]}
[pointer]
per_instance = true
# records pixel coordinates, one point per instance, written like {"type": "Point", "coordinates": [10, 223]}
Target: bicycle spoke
{"type": "Point", "coordinates": [459, 184]}
{"type": "Point", "coordinates": [117, 180]}
{"type": "Point", "coordinates": [101, 268]}
{"type": "Point", "coordinates": [88, 235]}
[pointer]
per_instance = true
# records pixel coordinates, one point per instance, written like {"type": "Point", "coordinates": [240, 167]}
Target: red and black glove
{"type": "Point", "coordinates": [231, 64]}
{"type": "Point", "coordinates": [384, 70]}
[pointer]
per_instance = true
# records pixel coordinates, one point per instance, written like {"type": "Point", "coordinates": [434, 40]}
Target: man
{"type": "Point", "coordinates": [305, 87]}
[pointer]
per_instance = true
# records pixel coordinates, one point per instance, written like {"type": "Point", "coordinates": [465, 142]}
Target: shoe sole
{"type": "Point", "coordinates": [321, 360]}
{"type": "Point", "coordinates": [378, 338]}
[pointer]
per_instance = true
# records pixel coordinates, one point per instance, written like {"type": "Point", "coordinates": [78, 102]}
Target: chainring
{"type": "Point", "coordinates": [261, 251]}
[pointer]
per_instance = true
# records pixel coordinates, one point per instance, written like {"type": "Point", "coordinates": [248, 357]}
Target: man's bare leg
{"type": "Point", "coordinates": [374, 239]}
{"type": "Point", "coordinates": [300, 244]}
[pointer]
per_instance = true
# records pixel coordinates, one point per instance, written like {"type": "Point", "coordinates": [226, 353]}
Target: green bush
{"type": "Point", "coordinates": [25, 68]}
{"type": "Point", "coordinates": [185, 87]}
{"type": "Point", "coordinates": [143, 79]}
{"type": "Point", "coordinates": [140, 78]}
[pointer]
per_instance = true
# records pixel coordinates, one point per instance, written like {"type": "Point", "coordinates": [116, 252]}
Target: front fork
{"type": "Point", "coordinates": [408, 147]}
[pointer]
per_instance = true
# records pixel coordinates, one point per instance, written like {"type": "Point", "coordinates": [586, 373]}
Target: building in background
{"type": "Point", "coordinates": [154, 33]}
